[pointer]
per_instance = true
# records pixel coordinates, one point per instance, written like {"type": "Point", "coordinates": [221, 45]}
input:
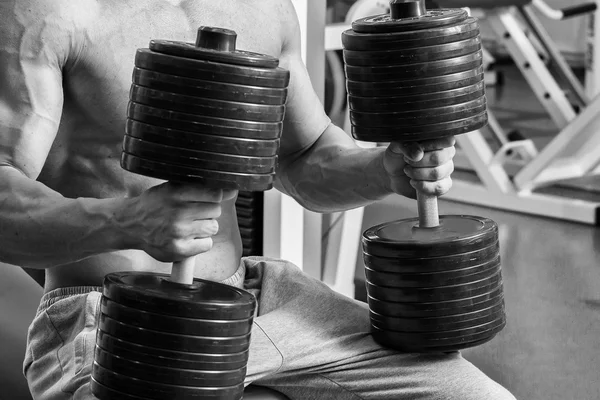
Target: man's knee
{"type": "Point", "coordinates": [474, 385]}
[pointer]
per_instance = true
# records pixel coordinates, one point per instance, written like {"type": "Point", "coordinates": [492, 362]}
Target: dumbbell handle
{"type": "Point", "coordinates": [183, 271]}
{"type": "Point", "coordinates": [428, 210]}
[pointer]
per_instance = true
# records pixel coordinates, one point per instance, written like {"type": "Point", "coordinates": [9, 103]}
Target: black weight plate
{"type": "Point", "coordinates": [198, 159]}
{"type": "Point", "coordinates": [155, 293]}
{"type": "Point", "coordinates": [436, 324]}
{"type": "Point", "coordinates": [211, 71]}
{"type": "Point", "coordinates": [352, 40]}
{"type": "Point", "coordinates": [209, 178]}
{"type": "Point", "coordinates": [170, 341]}
{"type": "Point", "coordinates": [399, 342]}
{"type": "Point", "coordinates": [442, 336]}
{"type": "Point", "coordinates": [177, 325]}
{"type": "Point", "coordinates": [204, 125]}
{"type": "Point", "coordinates": [433, 294]}
{"type": "Point", "coordinates": [205, 106]}
{"type": "Point", "coordinates": [247, 221]}
{"type": "Point", "coordinates": [391, 260]}
{"type": "Point", "coordinates": [457, 277]}
{"type": "Point", "coordinates": [419, 101]}
{"type": "Point", "coordinates": [158, 391]}
{"type": "Point", "coordinates": [422, 132]}
{"type": "Point", "coordinates": [169, 376]}
{"type": "Point", "coordinates": [191, 140]}
{"type": "Point", "coordinates": [208, 89]}
{"type": "Point", "coordinates": [169, 358]}
{"type": "Point", "coordinates": [456, 234]}
{"type": "Point", "coordinates": [435, 309]}
{"type": "Point", "coordinates": [415, 86]}
{"type": "Point", "coordinates": [431, 19]}
{"type": "Point", "coordinates": [396, 73]}
{"type": "Point", "coordinates": [102, 392]}
{"type": "Point", "coordinates": [411, 56]}
{"type": "Point", "coordinates": [416, 118]}
{"type": "Point", "coordinates": [237, 57]}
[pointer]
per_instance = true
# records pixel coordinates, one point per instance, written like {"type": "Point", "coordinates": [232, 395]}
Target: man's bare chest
{"type": "Point", "coordinates": [99, 81]}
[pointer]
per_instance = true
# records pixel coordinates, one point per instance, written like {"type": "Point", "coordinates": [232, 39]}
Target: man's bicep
{"type": "Point", "coordinates": [31, 98]}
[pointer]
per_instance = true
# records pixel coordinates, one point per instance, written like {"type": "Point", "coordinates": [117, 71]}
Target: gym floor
{"type": "Point", "coordinates": [550, 349]}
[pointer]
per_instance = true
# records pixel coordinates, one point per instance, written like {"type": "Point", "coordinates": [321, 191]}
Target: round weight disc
{"type": "Point", "coordinates": [171, 359]}
{"type": "Point", "coordinates": [449, 278]}
{"type": "Point", "coordinates": [433, 294]}
{"type": "Point", "coordinates": [437, 338]}
{"type": "Point", "coordinates": [211, 71]}
{"type": "Point", "coordinates": [207, 89]}
{"type": "Point", "coordinates": [209, 178]}
{"type": "Point", "coordinates": [456, 234]}
{"type": "Point", "coordinates": [204, 125]}
{"type": "Point", "coordinates": [423, 117]}
{"type": "Point", "coordinates": [352, 40]}
{"type": "Point", "coordinates": [396, 73]}
{"type": "Point", "coordinates": [436, 324]}
{"type": "Point", "coordinates": [170, 341]}
{"type": "Point", "coordinates": [412, 56]}
{"type": "Point", "coordinates": [158, 391]}
{"type": "Point", "coordinates": [237, 57]}
{"type": "Point", "coordinates": [178, 325]}
{"type": "Point", "coordinates": [198, 159]}
{"type": "Point", "coordinates": [104, 393]}
{"type": "Point", "coordinates": [391, 260]}
{"type": "Point", "coordinates": [196, 141]}
{"type": "Point", "coordinates": [170, 376]}
{"type": "Point", "coordinates": [155, 293]}
{"type": "Point", "coordinates": [415, 86]}
{"type": "Point", "coordinates": [398, 341]}
{"type": "Point", "coordinates": [206, 107]}
{"type": "Point", "coordinates": [435, 309]}
{"type": "Point", "coordinates": [420, 133]}
{"type": "Point", "coordinates": [432, 19]}
{"type": "Point", "coordinates": [419, 101]}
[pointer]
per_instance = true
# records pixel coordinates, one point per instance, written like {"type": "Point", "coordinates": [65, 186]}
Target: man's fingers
{"type": "Point", "coordinates": [430, 174]}
{"type": "Point", "coordinates": [437, 188]}
{"type": "Point", "coordinates": [435, 158]}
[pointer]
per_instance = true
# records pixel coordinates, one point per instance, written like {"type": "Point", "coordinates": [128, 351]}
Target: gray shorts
{"type": "Point", "coordinates": [308, 342]}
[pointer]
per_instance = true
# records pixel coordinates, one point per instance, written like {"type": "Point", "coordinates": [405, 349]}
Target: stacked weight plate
{"type": "Point", "coordinates": [437, 290]}
{"type": "Point", "coordinates": [415, 78]}
{"type": "Point", "coordinates": [160, 340]}
{"type": "Point", "coordinates": [249, 207]}
{"type": "Point", "coordinates": [204, 114]}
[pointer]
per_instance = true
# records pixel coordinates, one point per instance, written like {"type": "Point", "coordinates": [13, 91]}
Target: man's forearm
{"type": "Point", "coordinates": [39, 228]}
{"type": "Point", "coordinates": [334, 174]}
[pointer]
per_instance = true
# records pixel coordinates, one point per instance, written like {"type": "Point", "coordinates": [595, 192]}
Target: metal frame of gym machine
{"type": "Point", "coordinates": [511, 176]}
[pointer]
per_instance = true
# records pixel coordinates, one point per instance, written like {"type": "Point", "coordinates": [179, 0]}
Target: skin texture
{"type": "Point", "coordinates": [65, 203]}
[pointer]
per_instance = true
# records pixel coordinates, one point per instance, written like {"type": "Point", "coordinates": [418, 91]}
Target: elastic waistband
{"type": "Point", "coordinates": [58, 294]}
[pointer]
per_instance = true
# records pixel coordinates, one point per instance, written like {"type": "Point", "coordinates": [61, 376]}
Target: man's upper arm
{"type": "Point", "coordinates": [305, 117]}
{"type": "Point", "coordinates": [34, 44]}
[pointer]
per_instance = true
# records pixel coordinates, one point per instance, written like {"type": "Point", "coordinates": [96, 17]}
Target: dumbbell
{"type": "Point", "coordinates": [204, 113]}
{"type": "Point", "coordinates": [434, 282]}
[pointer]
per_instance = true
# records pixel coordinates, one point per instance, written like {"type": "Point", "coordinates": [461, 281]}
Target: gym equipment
{"type": "Point", "coordinates": [546, 179]}
{"type": "Point", "coordinates": [417, 266]}
{"type": "Point", "coordinates": [210, 114]}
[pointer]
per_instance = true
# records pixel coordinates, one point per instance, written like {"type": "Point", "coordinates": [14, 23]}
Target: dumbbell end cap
{"type": "Point", "coordinates": [400, 9]}
{"type": "Point", "coordinates": [216, 38]}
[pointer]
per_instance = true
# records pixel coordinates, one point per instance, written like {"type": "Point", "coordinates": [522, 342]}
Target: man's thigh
{"type": "Point", "coordinates": [310, 342]}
